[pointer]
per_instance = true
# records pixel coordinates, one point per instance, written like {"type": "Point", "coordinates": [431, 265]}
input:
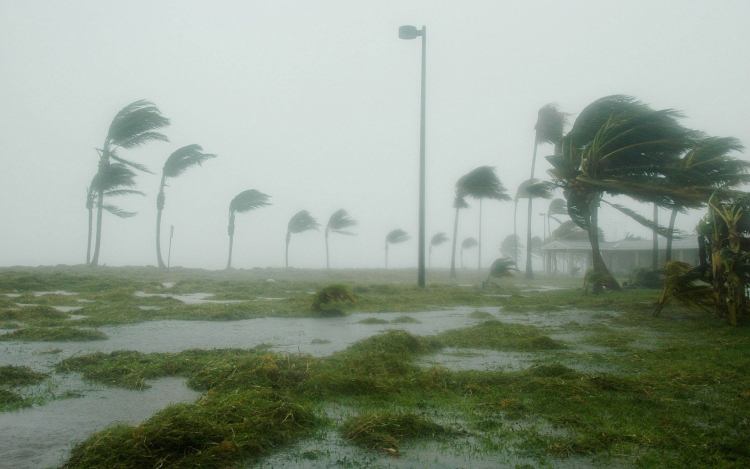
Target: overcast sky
{"type": "Point", "coordinates": [316, 103]}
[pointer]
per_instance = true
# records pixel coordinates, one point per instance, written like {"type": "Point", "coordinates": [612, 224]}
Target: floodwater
{"type": "Point", "coordinates": [189, 299]}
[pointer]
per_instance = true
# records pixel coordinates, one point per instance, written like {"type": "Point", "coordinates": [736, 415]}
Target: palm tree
{"type": "Point", "coordinates": [549, 127]}
{"type": "Point", "coordinates": [468, 243]}
{"type": "Point", "coordinates": [509, 246]}
{"type": "Point", "coordinates": [136, 124]}
{"type": "Point", "coordinates": [503, 267]}
{"type": "Point", "coordinates": [115, 177]}
{"type": "Point", "coordinates": [299, 223]}
{"type": "Point", "coordinates": [396, 236]}
{"type": "Point", "coordinates": [338, 223]}
{"type": "Point", "coordinates": [243, 203]}
{"type": "Point", "coordinates": [479, 183]}
{"type": "Point", "coordinates": [177, 163]}
{"type": "Point", "coordinates": [521, 193]}
{"type": "Point", "coordinates": [436, 240]}
{"type": "Point", "coordinates": [709, 164]}
{"type": "Point", "coordinates": [620, 146]}
{"type": "Point", "coordinates": [556, 208]}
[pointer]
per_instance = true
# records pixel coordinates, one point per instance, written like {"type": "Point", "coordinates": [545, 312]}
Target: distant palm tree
{"type": "Point", "coordinates": [243, 203]}
{"type": "Point", "coordinates": [549, 128]}
{"type": "Point", "coordinates": [468, 243]}
{"type": "Point", "coordinates": [338, 223]}
{"type": "Point", "coordinates": [136, 124]}
{"type": "Point", "coordinates": [116, 176]}
{"type": "Point", "coordinates": [459, 202]}
{"type": "Point", "coordinates": [521, 193]}
{"type": "Point", "coordinates": [177, 163]}
{"type": "Point", "coordinates": [394, 237]}
{"type": "Point", "coordinates": [436, 240]}
{"type": "Point", "coordinates": [299, 223]}
{"type": "Point", "coordinates": [509, 247]}
{"type": "Point", "coordinates": [556, 208]}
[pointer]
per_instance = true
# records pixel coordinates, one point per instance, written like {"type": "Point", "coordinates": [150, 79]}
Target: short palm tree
{"type": "Point", "coordinates": [338, 223]}
{"type": "Point", "coordinates": [299, 223]}
{"type": "Point", "coordinates": [135, 125]}
{"type": "Point", "coordinates": [468, 243]}
{"type": "Point", "coordinates": [396, 236]}
{"type": "Point", "coordinates": [116, 177]}
{"type": "Point", "coordinates": [501, 268]}
{"type": "Point", "coordinates": [177, 163]}
{"type": "Point", "coordinates": [436, 240]}
{"type": "Point", "coordinates": [243, 203]}
{"type": "Point", "coordinates": [549, 127]}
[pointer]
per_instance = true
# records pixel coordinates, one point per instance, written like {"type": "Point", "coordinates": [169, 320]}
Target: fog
{"type": "Point", "coordinates": [317, 105]}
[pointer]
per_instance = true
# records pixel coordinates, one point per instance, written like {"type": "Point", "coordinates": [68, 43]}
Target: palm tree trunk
{"type": "Point", "coordinates": [453, 254]}
{"type": "Point", "coordinates": [159, 208]}
{"type": "Point", "coordinates": [529, 272]}
{"type": "Point", "coordinates": [230, 230]}
{"type": "Point", "coordinates": [670, 235]}
{"type": "Point", "coordinates": [286, 253]}
{"type": "Point", "coordinates": [91, 226]}
{"type": "Point", "coordinates": [97, 245]}
{"type": "Point", "coordinates": [515, 235]}
{"type": "Point", "coordinates": [479, 256]}
{"type": "Point", "coordinates": [655, 254]}
{"type": "Point", "coordinates": [596, 256]}
{"type": "Point", "coordinates": [328, 266]}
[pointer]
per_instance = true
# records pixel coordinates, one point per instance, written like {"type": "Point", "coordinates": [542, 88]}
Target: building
{"type": "Point", "coordinates": [621, 257]}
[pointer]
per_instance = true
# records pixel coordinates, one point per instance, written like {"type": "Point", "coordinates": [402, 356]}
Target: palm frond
{"type": "Point", "coordinates": [557, 207]}
{"type": "Point", "coordinates": [502, 267]}
{"type": "Point", "coordinates": [570, 231]}
{"type": "Point", "coordinates": [522, 191]}
{"type": "Point", "coordinates": [541, 190]}
{"type": "Point", "coordinates": [550, 123]}
{"type": "Point", "coordinates": [648, 223]}
{"type": "Point", "coordinates": [460, 202]}
{"type": "Point", "coordinates": [686, 285]}
{"type": "Point", "coordinates": [248, 200]}
{"type": "Point", "coordinates": [115, 175]}
{"type": "Point", "coordinates": [302, 221]}
{"type": "Point", "coordinates": [339, 221]}
{"type": "Point", "coordinates": [438, 239]}
{"type": "Point", "coordinates": [469, 243]}
{"type": "Point", "coordinates": [121, 192]}
{"type": "Point", "coordinates": [117, 211]}
{"type": "Point", "coordinates": [136, 124]}
{"type": "Point", "coordinates": [481, 183]}
{"type": "Point", "coordinates": [183, 158]}
{"type": "Point", "coordinates": [397, 236]}
{"type": "Point", "coordinates": [135, 165]}
{"type": "Point", "coordinates": [509, 244]}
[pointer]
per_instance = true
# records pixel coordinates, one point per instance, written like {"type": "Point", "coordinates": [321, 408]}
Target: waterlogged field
{"type": "Point", "coordinates": [122, 367]}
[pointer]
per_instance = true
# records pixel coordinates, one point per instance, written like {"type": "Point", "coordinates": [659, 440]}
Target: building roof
{"type": "Point", "coordinates": [686, 242]}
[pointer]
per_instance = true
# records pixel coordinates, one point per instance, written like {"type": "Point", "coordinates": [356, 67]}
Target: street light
{"type": "Point", "coordinates": [411, 32]}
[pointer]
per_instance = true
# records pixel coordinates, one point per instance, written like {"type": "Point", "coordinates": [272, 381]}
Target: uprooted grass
{"type": "Point", "coordinates": [384, 430]}
{"type": "Point", "coordinates": [53, 334]}
{"type": "Point", "coordinates": [19, 376]}
{"type": "Point", "coordinates": [496, 335]}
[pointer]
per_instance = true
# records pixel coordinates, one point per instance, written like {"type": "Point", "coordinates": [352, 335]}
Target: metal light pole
{"type": "Point", "coordinates": [411, 32]}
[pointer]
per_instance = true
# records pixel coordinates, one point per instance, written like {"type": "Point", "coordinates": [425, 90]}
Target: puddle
{"type": "Point", "coordinates": [12, 295]}
{"type": "Point", "coordinates": [75, 317]}
{"type": "Point", "coordinates": [59, 292]}
{"type": "Point", "coordinates": [150, 308]}
{"type": "Point", "coordinates": [83, 300]}
{"type": "Point", "coordinates": [499, 296]}
{"type": "Point", "coordinates": [484, 360]}
{"type": "Point", "coordinates": [189, 299]}
{"type": "Point", "coordinates": [43, 436]}
{"type": "Point", "coordinates": [168, 284]}
{"type": "Point", "coordinates": [264, 298]}
{"type": "Point", "coordinates": [541, 288]}
{"type": "Point", "coordinates": [67, 309]}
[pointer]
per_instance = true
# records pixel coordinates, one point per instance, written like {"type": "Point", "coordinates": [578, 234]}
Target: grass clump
{"type": "Point", "coordinates": [383, 430]}
{"type": "Point", "coordinates": [10, 400]}
{"type": "Point", "coordinates": [329, 300]}
{"type": "Point", "coordinates": [33, 314]}
{"type": "Point", "coordinates": [214, 432]}
{"type": "Point", "coordinates": [19, 376]}
{"type": "Point", "coordinates": [53, 334]}
{"type": "Point", "coordinates": [405, 320]}
{"type": "Point", "coordinates": [495, 335]}
{"type": "Point", "coordinates": [372, 321]}
{"type": "Point", "coordinates": [480, 315]}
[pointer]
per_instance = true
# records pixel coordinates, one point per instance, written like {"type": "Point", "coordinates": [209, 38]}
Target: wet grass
{"type": "Point", "coordinates": [496, 335]}
{"type": "Point", "coordinates": [19, 376]}
{"type": "Point", "coordinates": [384, 430]}
{"type": "Point", "coordinates": [53, 334]}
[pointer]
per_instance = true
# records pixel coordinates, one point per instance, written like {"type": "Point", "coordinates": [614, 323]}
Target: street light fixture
{"type": "Point", "coordinates": [411, 32]}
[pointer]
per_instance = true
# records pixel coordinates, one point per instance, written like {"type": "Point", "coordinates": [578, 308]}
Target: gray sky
{"type": "Point", "coordinates": [317, 104]}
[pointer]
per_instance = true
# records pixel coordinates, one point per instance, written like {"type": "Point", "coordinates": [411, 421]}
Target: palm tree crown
{"type": "Point", "coordinates": [439, 239]}
{"type": "Point", "coordinates": [394, 237]}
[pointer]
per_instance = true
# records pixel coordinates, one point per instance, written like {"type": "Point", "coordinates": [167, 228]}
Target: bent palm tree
{"type": "Point", "coordinates": [509, 246]}
{"type": "Point", "coordinates": [338, 223]}
{"type": "Point", "coordinates": [177, 163]}
{"type": "Point", "coordinates": [116, 176]}
{"type": "Point", "coordinates": [396, 236]}
{"type": "Point", "coordinates": [549, 127]}
{"type": "Point", "coordinates": [436, 240]}
{"type": "Point", "coordinates": [299, 223]}
{"type": "Point", "coordinates": [556, 208]}
{"type": "Point", "coordinates": [468, 243]}
{"type": "Point", "coordinates": [136, 124]}
{"type": "Point", "coordinates": [501, 268]}
{"type": "Point", "coordinates": [243, 203]}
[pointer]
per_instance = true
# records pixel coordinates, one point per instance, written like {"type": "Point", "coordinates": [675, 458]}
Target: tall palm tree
{"type": "Point", "coordinates": [708, 163]}
{"type": "Point", "coordinates": [436, 240]}
{"type": "Point", "coordinates": [468, 243]}
{"type": "Point", "coordinates": [549, 127]}
{"type": "Point", "coordinates": [111, 182]}
{"type": "Point", "coordinates": [396, 236]}
{"type": "Point", "coordinates": [509, 247]}
{"type": "Point", "coordinates": [299, 223]}
{"type": "Point", "coordinates": [620, 146]}
{"type": "Point", "coordinates": [177, 163]}
{"type": "Point", "coordinates": [479, 183]}
{"type": "Point", "coordinates": [243, 203]}
{"type": "Point", "coordinates": [135, 125]}
{"type": "Point", "coordinates": [338, 223]}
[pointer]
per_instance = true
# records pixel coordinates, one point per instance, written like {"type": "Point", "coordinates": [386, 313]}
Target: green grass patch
{"type": "Point", "coordinates": [19, 376]}
{"type": "Point", "coordinates": [53, 334]}
{"type": "Point", "coordinates": [496, 335]}
{"type": "Point", "coordinates": [480, 315]}
{"type": "Point", "coordinates": [384, 430]}
{"type": "Point", "coordinates": [372, 321]}
{"type": "Point", "coordinates": [405, 320]}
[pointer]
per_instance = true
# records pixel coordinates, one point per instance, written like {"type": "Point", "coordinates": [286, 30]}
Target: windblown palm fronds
{"type": "Point", "coordinates": [177, 163]}
{"type": "Point", "coordinates": [299, 223]}
{"type": "Point", "coordinates": [509, 246]}
{"type": "Point", "coordinates": [338, 223]}
{"type": "Point", "coordinates": [501, 268]}
{"type": "Point", "coordinates": [550, 124]}
{"type": "Point", "coordinates": [686, 285]}
{"type": "Point", "coordinates": [396, 236]}
{"type": "Point", "coordinates": [469, 243]}
{"type": "Point", "coordinates": [243, 203]}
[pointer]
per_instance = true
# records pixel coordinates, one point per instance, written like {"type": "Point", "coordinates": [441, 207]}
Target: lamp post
{"type": "Point", "coordinates": [411, 32]}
